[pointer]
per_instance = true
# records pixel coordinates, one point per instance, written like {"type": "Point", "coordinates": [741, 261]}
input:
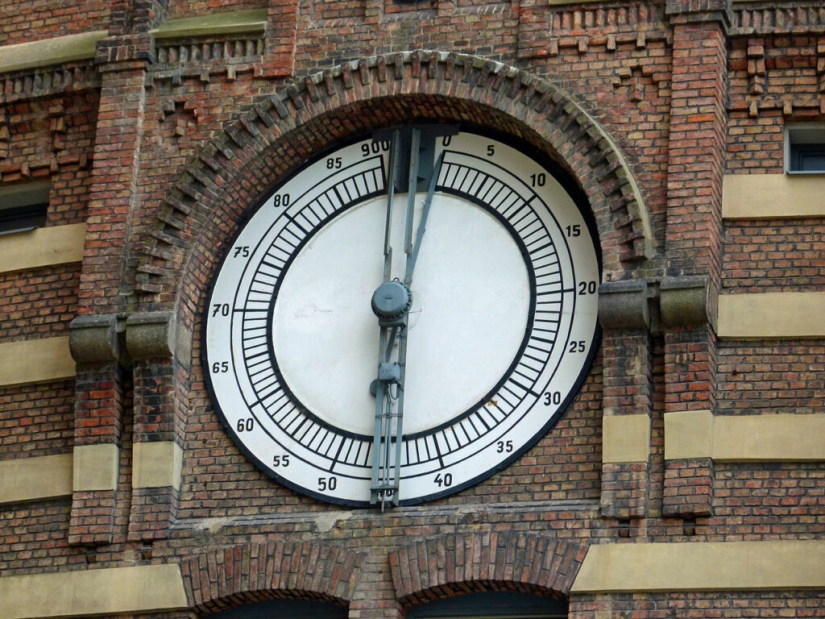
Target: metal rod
{"type": "Point", "coordinates": [390, 344]}
{"type": "Point", "coordinates": [422, 225]}
{"type": "Point", "coordinates": [378, 426]}
{"type": "Point", "coordinates": [413, 182]}
{"type": "Point", "coordinates": [395, 144]}
{"type": "Point", "coordinates": [399, 417]}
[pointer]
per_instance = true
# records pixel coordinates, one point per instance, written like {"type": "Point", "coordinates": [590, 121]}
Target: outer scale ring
{"type": "Point", "coordinates": [539, 383]}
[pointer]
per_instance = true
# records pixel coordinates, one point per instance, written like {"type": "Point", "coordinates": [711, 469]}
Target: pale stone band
{"type": "Point", "coordinates": [42, 247]}
{"type": "Point", "coordinates": [772, 196]}
{"type": "Point", "coordinates": [744, 438]}
{"type": "Point", "coordinates": [140, 589]}
{"type": "Point", "coordinates": [626, 438]}
{"type": "Point", "coordinates": [89, 468]}
{"type": "Point", "coordinates": [711, 566]}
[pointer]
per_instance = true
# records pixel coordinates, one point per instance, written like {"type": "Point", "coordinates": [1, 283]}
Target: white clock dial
{"type": "Point", "coordinates": [500, 333]}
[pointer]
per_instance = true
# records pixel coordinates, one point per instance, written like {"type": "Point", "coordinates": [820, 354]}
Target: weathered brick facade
{"type": "Point", "coordinates": [686, 478]}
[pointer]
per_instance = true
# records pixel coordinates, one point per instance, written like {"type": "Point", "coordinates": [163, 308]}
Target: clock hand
{"type": "Point", "coordinates": [412, 185]}
{"type": "Point", "coordinates": [391, 304]}
{"type": "Point", "coordinates": [422, 225]}
{"type": "Point", "coordinates": [395, 143]}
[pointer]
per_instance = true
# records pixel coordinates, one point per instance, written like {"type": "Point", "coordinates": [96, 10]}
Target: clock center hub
{"type": "Point", "coordinates": [391, 301]}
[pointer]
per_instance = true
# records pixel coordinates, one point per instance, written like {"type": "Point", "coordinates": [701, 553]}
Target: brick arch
{"type": "Point", "coordinates": [278, 133]}
{"type": "Point", "coordinates": [463, 563]}
{"type": "Point", "coordinates": [250, 572]}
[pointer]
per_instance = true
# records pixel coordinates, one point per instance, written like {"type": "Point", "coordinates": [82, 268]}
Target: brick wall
{"type": "Point", "coordinates": [50, 138]}
{"type": "Point", "coordinates": [756, 378]}
{"type": "Point", "coordinates": [181, 8]}
{"type": "Point", "coordinates": [42, 19]}
{"type": "Point", "coordinates": [40, 303]}
{"type": "Point", "coordinates": [774, 256]}
{"type": "Point", "coordinates": [36, 420]}
{"type": "Point", "coordinates": [34, 537]}
{"type": "Point", "coordinates": [163, 152]}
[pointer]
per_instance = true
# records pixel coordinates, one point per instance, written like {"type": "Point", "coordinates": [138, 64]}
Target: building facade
{"type": "Point", "coordinates": [647, 437]}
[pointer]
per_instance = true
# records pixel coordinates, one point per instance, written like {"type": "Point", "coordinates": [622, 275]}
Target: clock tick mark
{"type": "Point", "coordinates": [438, 452]}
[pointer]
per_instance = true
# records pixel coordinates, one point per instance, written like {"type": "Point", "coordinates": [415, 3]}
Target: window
{"type": "Point", "coordinates": [491, 604]}
{"type": "Point", "coordinates": [285, 609]}
{"type": "Point", "coordinates": [805, 149]}
{"type": "Point", "coordinates": [23, 207]}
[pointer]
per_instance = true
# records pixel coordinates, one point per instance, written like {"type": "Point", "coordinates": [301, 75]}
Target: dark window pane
{"type": "Point", "coordinates": [285, 609]}
{"type": "Point", "coordinates": [497, 604]}
{"type": "Point", "coordinates": [808, 157]}
{"type": "Point", "coordinates": [21, 218]}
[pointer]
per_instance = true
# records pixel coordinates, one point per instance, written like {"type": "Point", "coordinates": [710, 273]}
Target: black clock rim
{"type": "Point", "coordinates": [563, 177]}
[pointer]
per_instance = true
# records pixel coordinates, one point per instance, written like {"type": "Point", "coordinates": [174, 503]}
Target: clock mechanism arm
{"type": "Point", "coordinates": [395, 145]}
{"type": "Point", "coordinates": [391, 303]}
{"type": "Point", "coordinates": [412, 257]}
{"type": "Point", "coordinates": [384, 481]}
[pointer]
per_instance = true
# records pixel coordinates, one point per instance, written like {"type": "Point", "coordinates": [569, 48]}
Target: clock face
{"type": "Point", "coordinates": [497, 339]}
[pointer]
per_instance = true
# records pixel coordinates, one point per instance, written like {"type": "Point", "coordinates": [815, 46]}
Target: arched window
{"type": "Point", "coordinates": [497, 604]}
{"type": "Point", "coordinates": [285, 609]}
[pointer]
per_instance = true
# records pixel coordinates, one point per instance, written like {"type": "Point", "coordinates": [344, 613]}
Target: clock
{"type": "Point", "coordinates": [403, 316]}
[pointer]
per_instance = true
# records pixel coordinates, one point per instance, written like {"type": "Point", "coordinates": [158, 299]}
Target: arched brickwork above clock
{"type": "Point", "coordinates": [274, 137]}
{"type": "Point", "coordinates": [251, 572]}
{"type": "Point", "coordinates": [463, 563]}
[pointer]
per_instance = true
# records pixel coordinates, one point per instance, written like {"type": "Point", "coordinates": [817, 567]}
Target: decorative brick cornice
{"type": "Point", "coordinates": [49, 81]}
{"type": "Point", "coordinates": [577, 28]}
{"type": "Point", "coordinates": [762, 18]}
{"type": "Point", "coordinates": [378, 90]}
{"type": "Point", "coordinates": [424, 571]}
{"type": "Point", "coordinates": [125, 48]}
{"type": "Point", "coordinates": [249, 572]}
{"type": "Point", "coordinates": [767, 59]}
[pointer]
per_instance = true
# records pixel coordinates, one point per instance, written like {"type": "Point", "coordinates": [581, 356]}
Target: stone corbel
{"type": "Point", "coordinates": [624, 305]}
{"type": "Point", "coordinates": [150, 335]}
{"type": "Point", "coordinates": [142, 336]}
{"type": "Point", "coordinates": [688, 301]}
{"type": "Point", "coordinates": [682, 301]}
{"type": "Point", "coordinates": [95, 339]}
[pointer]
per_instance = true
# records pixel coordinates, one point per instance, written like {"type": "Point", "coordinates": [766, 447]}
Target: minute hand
{"type": "Point", "coordinates": [422, 225]}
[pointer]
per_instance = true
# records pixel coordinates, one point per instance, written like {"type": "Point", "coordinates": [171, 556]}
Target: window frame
{"type": "Point", "coordinates": [800, 140]}
{"type": "Point", "coordinates": [24, 207]}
